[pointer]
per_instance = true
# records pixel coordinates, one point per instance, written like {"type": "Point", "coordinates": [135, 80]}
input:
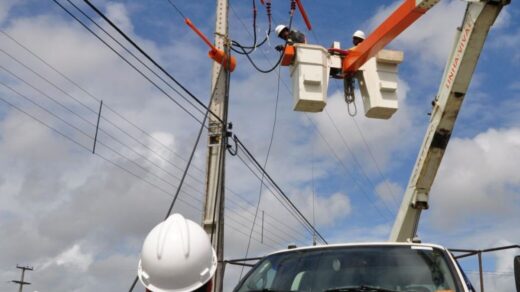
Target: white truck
{"type": "Point", "coordinates": [377, 267]}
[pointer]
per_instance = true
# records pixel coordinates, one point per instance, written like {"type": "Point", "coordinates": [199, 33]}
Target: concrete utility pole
{"type": "Point", "coordinates": [22, 282]}
{"type": "Point", "coordinates": [213, 220]}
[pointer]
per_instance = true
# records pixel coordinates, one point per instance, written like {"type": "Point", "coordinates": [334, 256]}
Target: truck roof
{"type": "Point", "coordinates": [358, 244]}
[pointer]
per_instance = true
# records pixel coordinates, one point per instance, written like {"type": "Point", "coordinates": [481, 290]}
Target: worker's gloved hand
{"type": "Point", "coordinates": [279, 48]}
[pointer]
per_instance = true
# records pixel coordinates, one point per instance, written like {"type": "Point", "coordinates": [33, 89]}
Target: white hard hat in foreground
{"type": "Point", "coordinates": [177, 256]}
{"type": "Point", "coordinates": [359, 34]}
{"type": "Point", "coordinates": [279, 29]}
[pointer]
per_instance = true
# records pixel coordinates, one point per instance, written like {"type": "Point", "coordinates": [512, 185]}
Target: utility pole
{"type": "Point", "coordinates": [213, 218]}
{"type": "Point", "coordinates": [22, 282]}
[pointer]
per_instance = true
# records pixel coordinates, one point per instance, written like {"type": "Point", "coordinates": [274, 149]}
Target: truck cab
{"type": "Point", "coordinates": [358, 267]}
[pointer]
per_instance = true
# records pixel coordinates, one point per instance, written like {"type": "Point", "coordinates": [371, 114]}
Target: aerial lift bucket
{"type": "Point", "coordinates": [310, 77]}
{"type": "Point", "coordinates": [378, 84]}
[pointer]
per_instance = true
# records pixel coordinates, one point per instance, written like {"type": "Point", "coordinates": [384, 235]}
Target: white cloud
{"type": "Point", "coordinates": [74, 258]}
{"type": "Point", "coordinates": [389, 191]}
{"type": "Point", "coordinates": [478, 176]}
{"type": "Point", "coordinates": [118, 13]}
{"type": "Point", "coordinates": [5, 6]}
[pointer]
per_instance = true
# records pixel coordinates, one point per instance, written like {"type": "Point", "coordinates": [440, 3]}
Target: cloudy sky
{"type": "Point", "coordinates": [80, 219]}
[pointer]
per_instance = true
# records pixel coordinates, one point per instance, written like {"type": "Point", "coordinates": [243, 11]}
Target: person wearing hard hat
{"type": "Point", "coordinates": [290, 36]}
{"type": "Point", "coordinates": [358, 37]}
{"type": "Point", "coordinates": [177, 256]}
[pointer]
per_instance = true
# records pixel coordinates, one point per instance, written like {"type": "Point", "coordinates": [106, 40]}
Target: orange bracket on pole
{"type": "Point", "coordinates": [401, 18]}
{"type": "Point", "coordinates": [304, 14]}
{"type": "Point", "coordinates": [215, 54]}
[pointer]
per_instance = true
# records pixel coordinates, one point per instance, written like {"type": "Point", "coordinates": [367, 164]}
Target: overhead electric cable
{"type": "Point", "coordinates": [192, 154]}
{"type": "Point", "coordinates": [89, 122]}
{"type": "Point", "coordinates": [88, 135]}
{"type": "Point", "coordinates": [89, 150]}
{"type": "Point", "coordinates": [67, 137]}
{"type": "Point", "coordinates": [392, 195]}
{"type": "Point", "coordinates": [243, 50]}
{"type": "Point", "coordinates": [119, 115]}
{"type": "Point", "coordinates": [67, 109]}
{"type": "Point", "coordinates": [177, 9]}
{"type": "Point", "coordinates": [93, 125]}
{"type": "Point", "coordinates": [345, 169]}
{"type": "Point", "coordinates": [128, 62]}
{"type": "Point", "coordinates": [272, 189]}
{"type": "Point", "coordinates": [135, 45]}
{"type": "Point", "coordinates": [94, 98]}
{"type": "Point", "coordinates": [271, 139]}
{"type": "Point", "coordinates": [355, 158]}
{"type": "Point", "coordinates": [246, 150]}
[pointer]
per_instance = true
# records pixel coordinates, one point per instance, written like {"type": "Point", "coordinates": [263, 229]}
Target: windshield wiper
{"type": "Point", "coordinates": [361, 288]}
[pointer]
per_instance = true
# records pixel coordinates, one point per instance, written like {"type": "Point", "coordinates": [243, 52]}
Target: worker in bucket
{"type": "Point", "coordinates": [177, 256]}
{"type": "Point", "coordinates": [358, 37]}
{"type": "Point", "coordinates": [290, 36]}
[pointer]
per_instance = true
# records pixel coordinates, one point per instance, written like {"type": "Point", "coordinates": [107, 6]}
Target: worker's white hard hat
{"type": "Point", "coordinates": [279, 29]}
{"type": "Point", "coordinates": [177, 256]}
{"type": "Point", "coordinates": [359, 34]}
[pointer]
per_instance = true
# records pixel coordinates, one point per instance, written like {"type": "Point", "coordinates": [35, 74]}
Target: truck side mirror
{"type": "Point", "coordinates": [517, 273]}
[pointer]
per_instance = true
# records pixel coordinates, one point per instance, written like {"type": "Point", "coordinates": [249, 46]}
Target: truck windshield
{"type": "Point", "coordinates": [354, 268]}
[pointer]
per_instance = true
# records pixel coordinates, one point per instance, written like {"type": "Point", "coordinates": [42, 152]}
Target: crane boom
{"type": "Point", "coordinates": [470, 38]}
{"type": "Point", "coordinates": [404, 16]}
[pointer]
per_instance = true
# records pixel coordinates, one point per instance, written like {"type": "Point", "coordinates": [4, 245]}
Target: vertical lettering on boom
{"type": "Point", "coordinates": [454, 67]}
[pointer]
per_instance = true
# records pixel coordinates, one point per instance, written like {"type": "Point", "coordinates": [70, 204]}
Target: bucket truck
{"type": "Point", "coordinates": [401, 264]}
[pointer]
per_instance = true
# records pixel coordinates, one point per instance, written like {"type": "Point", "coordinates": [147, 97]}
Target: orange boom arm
{"type": "Point", "coordinates": [394, 25]}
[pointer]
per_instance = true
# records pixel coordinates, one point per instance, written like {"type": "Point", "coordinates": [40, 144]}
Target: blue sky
{"type": "Point", "coordinates": [76, 216]}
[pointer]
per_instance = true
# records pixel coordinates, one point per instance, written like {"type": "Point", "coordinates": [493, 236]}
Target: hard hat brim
{"type": "Point", "coordinates": [195, 286]}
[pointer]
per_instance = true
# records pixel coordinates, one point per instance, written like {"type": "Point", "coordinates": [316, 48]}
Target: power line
{"type": "Point", "coordinates": [355, 158]}
{"type": "Point", "coordinates": [271, 139]}
{"type": "Point", "coordinates": [133, 55]}
{"type": "Point", "coordinates": [128, 62]}
{"type": "Point", "coordinates": [130, 171]}
{"type": "Point", "coordinates": [82, 118]}
{"type": "Point", "coordinates": [150, 59]}
{"type": "Point", "coordinates": [87, 107]}
{"type": "Point", "coordinates": [392, 195]}
{"type": "Point", "coordinates": [342, 164]}
{"type": "Point", "coordinates": [177, 9]}
{"type": "Point", "coordinates": [107, 120]}
{"type": "Point", "coordinates": [104, 158]}
{"type": "Point", "coordinates": [95, 99]}
{"type": "Point", "coordinates": [86, 135]}
{"type": "Point", "coordinates": [283, 195]}
{"type": "Point", "coordinates": [89, 150]}
{"type": "Point", "coordinates": [269, 186]}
